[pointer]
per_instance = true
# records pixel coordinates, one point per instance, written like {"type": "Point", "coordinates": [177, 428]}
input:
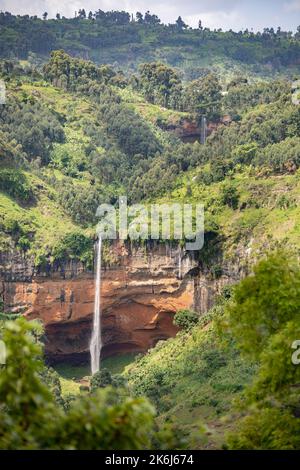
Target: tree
{"type": "Point", "coordinates": [263, 318]}
{"type": "Point", "coordinates": [103, 378]}
{"type": "Point", "coordinates": [31, 419]}
{"type": "Point", "coordinates": [82, 13]}
{"type": "Point", "coordinates": [139, 17]}
{"type": "Point", "coordinates": [151, 19]}
{"type": "Point", "coordinates": [180, 23]}
{"type": "Point", "coordinates": [229, 196]}
{"type": "Point", "coordinates": [45, 15]}
{"type": "Point", "coordinates": [203, 97]}
{"type": "Point", "coordinates": [160, 84]}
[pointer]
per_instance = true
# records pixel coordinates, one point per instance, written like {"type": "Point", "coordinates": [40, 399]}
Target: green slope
{"type": "Point", "coordinates": [192, 379]}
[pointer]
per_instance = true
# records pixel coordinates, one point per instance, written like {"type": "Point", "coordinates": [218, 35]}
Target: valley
{"type": "Point", "coordinates": [195, 345]}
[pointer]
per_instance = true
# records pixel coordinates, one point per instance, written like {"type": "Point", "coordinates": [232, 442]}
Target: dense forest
{"type": "Point", "coordinates": [95, 108]}
{"type": "Point", "coordinates": [117, 38]}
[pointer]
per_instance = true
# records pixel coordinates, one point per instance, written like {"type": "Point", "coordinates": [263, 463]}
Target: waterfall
{"type": "Point", "coordinates": [180, 263]}
{"type": "Point", "coordinates": [96, 343]}
{"type": "Point", "coordinates": [203, 130]}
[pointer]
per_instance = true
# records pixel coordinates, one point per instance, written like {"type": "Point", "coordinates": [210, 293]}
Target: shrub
{"type": "Point", "coordinates": [101, 379]}
{"type": "Point", "coordinates": [74, 245]}
{"type": "Point", "coordinates": [15, 183]}
{"type": "Point", "coordinates": [229, 196]}
{"type": "Point", "coordinates": [214, 360]}
{"type": "Point", "coordinates": [186, 319]}
{"type": "Point", "coordinates": [81, 202]}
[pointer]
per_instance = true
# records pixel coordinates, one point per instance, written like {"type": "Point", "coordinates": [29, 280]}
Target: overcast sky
{"type": "Point", "coordinates": [235, 14]}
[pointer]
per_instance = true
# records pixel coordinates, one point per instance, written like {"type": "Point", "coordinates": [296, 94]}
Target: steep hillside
{"type": "Point", "coordinates": [231, 380]}
{"type": "Point", "coordinates": [96, 136]}
{"type": "Point", "coordinates": [192, 379]}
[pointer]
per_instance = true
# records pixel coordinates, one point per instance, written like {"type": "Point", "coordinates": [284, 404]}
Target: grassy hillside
{"type": "Point", "coordinates": [192, 379]}
{"type": "Point", "coordinates": [99, 135]}
{"type": "Point", "coordinates": [231, 380]}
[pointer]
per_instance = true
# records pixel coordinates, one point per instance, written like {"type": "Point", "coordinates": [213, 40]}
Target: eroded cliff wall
{"type": "Point", "coordinates": [140, 293]}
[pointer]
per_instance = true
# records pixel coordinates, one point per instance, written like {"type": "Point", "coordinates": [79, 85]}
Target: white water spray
{"type": "Point", "coordinates": [180, 263]}
{"type": "Point", "coordinates": [96, 341]}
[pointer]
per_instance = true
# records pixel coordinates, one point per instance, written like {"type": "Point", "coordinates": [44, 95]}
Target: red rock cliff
{"type": "Point", "coordinates": [139, 295]}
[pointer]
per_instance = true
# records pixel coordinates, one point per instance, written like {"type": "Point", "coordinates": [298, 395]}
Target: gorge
{"type": "Point", "coordinates": [141, 290]}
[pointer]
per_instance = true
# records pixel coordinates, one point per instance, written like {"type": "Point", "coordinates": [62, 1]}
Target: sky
{"type": "Point", "coordinates": [234, 14]}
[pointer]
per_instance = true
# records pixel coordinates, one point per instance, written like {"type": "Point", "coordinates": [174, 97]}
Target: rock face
{"type": "Point", "coordinates": [140, 292]}
{"type": "Point", "coordinates": [189, 131]}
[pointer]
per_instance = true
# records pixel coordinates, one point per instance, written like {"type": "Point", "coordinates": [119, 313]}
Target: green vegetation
{"type": "Point", "coordinates": [30, 419]}
{"type": "Point", "coordinates": [264, 320]}
{"type": "Point", "coordinates": [103, 378]}
{"type": "Point", "coordinates": [77, 133]}
{"type": "Point", "coordinates": [192, 380]}
{"type": "Point", "coordinates": [186, 319]}
{"type": "Point", "coordinates": [245, 354]}
{"type": "Point", "coordinates": [114, 37]}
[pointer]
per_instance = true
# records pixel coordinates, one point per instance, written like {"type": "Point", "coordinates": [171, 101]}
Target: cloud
{"type": "Point", "coordinates": [292, 6]}
{"type": "Point", "coordinates": [235, 14]}
{"type": "Point", "coordinates": [218, 19]}
{"type": "Point", "coordinates": [168, 10]}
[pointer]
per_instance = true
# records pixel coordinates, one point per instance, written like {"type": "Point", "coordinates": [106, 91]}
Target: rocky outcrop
{"type": "Point", "coordinates": [189, 131]}
{"type": "Point", "coordinates": [140, 293]}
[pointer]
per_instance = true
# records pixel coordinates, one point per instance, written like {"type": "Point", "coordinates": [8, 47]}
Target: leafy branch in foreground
{"type": "Point", "coordinates": [30, 418]}
{"type": "Point", "coordinates": [264, 320]}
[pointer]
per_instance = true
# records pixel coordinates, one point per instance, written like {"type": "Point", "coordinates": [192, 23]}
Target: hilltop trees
{"type": "Point", "coordinates": [114, 36]}
{"type": "Point", "coordinates": [68, 72]}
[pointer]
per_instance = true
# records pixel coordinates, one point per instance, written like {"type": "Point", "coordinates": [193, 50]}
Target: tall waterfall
{"type": "Point", "coordinates": [180, 263]}
{"type": "Point", "coordinates": [96, 342]}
